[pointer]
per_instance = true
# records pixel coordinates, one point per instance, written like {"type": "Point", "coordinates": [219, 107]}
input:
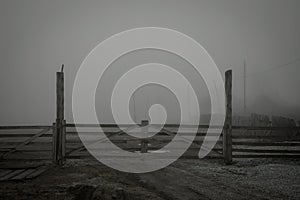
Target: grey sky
{"type": "Point", "coordinates": [36, 37]}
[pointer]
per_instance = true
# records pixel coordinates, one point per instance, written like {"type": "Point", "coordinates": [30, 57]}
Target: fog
{"type": "Point", "coordinates": [36, 37]}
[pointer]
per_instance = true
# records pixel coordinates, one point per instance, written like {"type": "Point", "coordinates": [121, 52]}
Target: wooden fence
{"type": "Point", "coordinates": [265, 142]}
{"type": "Point", "coordinates": [76, 150]}
{"type": "Point", "coordinates": [235, 141]}
{"type": "Point", "coordinates": [31, 143]}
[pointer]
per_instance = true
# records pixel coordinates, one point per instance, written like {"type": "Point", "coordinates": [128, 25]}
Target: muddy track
{"type": "Point", "coordinates": [184, 180]}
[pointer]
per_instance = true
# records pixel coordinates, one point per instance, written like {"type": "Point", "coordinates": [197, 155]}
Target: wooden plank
{"type": "Point", "coordinates": [114, 137]}
{"type": "Point", "coordinates": [268, 151]}
{"type": "Point", "coordinates": [18, 165]}
{"type": "Point", "coordinates": [24, 156]}
{"type": "Point", "coordinates": [267, 143]}
{"type": "Point", "coordinates": [38, 172]}
{"type": "Point", "coordinates": [7, 146]}
{"type": "Point", "coordinates": [28, 158]}
{"type": "Point", "coordinates": [46, 147]}
{"type": "Point", "coordinates": [5, 172]}
{"type": "Point", "coordinates": [227, 131]}
{"type": "Point", "coordinates": [193, 155]}
{"type": "Point", "coordinates": [265, 128]}
{"type": "Point", "coordinates": [186, 126]}
{"type": "Point", "coordinates": [12, 174]}
{"type": "Point", "coordinates": [75, 157]}
{"type": "Point", "coordinates": [138, 148]}
{"type": "Point", "coordinates": [266, 156]}
{"type": "Point", "coordinates": [23, 174]}
{"type": "Point", "coordinates": [4, 150]}
{"type": "Point", "coordinates": [74, 133]}
{"type": "Point", "coordinates": [129, 125]}
{"type": "Point", "coordinates": [20, 140]}
{"type": "Point", "coordinates": [4, 135]}
{"type": "Point", "coordinates": [166, 125]}
{"type": "Point", "coordinates": [98, 125]}
{"type": "Point", "coordinates": [274, 137]}
{"type": "Point", "coordinates": [37, 148]}
{"type": "Point", "coordinates": [23, 127]}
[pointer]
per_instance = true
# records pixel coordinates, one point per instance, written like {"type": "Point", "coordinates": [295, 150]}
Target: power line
{"type": "Point", "coordinates": [272, 68]}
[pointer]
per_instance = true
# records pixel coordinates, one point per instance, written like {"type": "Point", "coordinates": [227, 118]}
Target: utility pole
{"type": "Point", "coordinates": [245, 86]}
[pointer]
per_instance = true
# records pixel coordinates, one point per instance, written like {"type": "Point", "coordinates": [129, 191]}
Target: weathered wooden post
{"type": "Point", "coordinates": [54, 144]}
{"type": "Point", "coordinates": [63, 142]}
{"type": "Point", "coordinates": [59, 128]}
{"type": "Point", "coordinates": [144, 142]}
{"type": "Point", "coordinates": [227, 131]}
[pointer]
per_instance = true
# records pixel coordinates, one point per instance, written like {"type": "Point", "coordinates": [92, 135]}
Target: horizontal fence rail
{"type": "Point", "coordinates": [185, 126]}
{"type": "Point", "coordinates": [23, 127]}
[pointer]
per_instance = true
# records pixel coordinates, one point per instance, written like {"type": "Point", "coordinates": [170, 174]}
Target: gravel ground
{"type": "Point", "coordinates": [184, 180]}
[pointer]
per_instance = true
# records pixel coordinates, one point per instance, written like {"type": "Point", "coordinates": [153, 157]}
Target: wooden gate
{"type": "Point", "coordinates": [233, 143]}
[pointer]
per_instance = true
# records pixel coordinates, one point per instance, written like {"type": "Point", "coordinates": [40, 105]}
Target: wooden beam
{"type": "Point", "coordinates": [59, 132]}
{"type": "Point", "coordinates": [60, 95]}
{"type": "Point", "coordinates": [23, 127]}
{"type": "Point", "coordinates": [227, 131]}
{"type": "Point", "coordinates": [267, 143]}
{"type": "Point", "coordinates": [144, 141]}
{"type": "Point", "coordinates": [266, 156]}
{"type": "Point", "coordinates": [18, 135]}
{"type": "Point", "coordinates": [283, 151]}
{"type": "Point", "coordinates": [183, 126]}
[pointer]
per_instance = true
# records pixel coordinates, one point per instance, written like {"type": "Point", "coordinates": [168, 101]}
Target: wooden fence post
{"type": "Point", "coordinates": [144, 142]}
{"type": "Point", "coordinates": [59, 128]}
{"type": "Point", "coordinates": [54, 145]}
{"type": "Point", "coordinates": [63, 142]}
{"type": "Point", "coordinates": [227, 131]}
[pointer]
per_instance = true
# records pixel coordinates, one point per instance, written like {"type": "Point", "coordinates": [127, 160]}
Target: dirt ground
{"type": "Point", "coordinates": [183, 180]}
